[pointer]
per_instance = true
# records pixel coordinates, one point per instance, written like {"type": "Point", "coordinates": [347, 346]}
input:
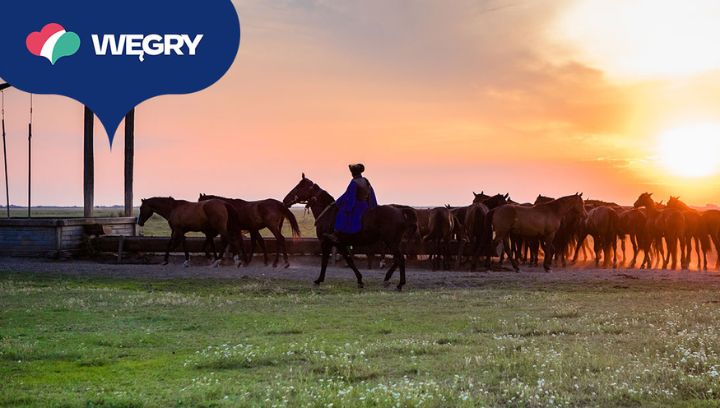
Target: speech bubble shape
{"type": "Point", "coordinates": [113, 55]}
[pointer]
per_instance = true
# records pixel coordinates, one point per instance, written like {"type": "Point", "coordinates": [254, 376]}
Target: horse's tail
{"type": "Point", "coordinates": [293, 221]}
{"type": "Point", "coordinates": [233, 221]}
{"type": "Point", "coordinates": [487, 233]}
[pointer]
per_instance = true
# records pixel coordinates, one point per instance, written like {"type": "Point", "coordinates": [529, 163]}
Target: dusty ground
{"type": "Point", "coordinates": [307, 268]}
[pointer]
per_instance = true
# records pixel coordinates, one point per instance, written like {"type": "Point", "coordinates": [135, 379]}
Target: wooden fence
{"type": "Point", "coordinates": [296, 247]}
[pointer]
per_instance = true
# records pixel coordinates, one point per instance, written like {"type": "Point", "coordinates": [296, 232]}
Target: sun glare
{"type": "Point", "coordinates": [691, 151]}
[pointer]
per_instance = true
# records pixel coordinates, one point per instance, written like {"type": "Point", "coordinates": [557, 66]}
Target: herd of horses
{"type": "Point", "coordinates": [491, 227]}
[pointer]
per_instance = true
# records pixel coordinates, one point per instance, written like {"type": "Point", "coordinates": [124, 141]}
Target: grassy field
{"type": "Point", "coordinates": [156, 226]}
{"type": "Point", "coordinates": [204, 342]}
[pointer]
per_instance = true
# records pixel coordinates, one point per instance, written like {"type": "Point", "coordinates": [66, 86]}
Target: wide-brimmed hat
{"type": "Point", "coordinates": [357, 168]}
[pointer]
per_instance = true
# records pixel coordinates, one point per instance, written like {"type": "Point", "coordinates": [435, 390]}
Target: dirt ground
{"type": "Point", "coordinates": [307, 269]}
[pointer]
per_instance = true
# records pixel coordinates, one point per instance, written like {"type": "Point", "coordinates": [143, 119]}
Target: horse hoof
{"type": "Point", "coordinates": [287, 265]}
{"type": "Point", "coordinates": [361, 285]}
{"type": "Point", "coordinates": [164, 263]}
{"type": "Point", "coordinates": [317, 283]}
{"type": "Point", "coordinates": [398, 289]}
{"type": "Point", "coordinates": [216, 264]}
{"type": "Point", "coordinates": [186, 264]}
{"type": "Point", "coordinates": [386, 284]}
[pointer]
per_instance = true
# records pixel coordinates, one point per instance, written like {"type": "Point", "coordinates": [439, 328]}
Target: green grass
{"type": "Point", "coordinates": [156, 226]}
{"type": "Point", "coordinates": [126, 343]}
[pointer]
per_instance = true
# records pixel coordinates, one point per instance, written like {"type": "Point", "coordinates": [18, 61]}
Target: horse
{"type": "Point", "coordinates": [602, 224]}
{"type": "Point", "coordinates": [541, 222]}
{"type": "Point", "coordinates": [441, 226]}
{"type": "Point", "coordinates": [256, 215]}
{"type": "Point", "coordinates": [211, 217]}
{"type": "Point", "coordinates": [477, 229]}
{"type": "Point", "coordinates": [694, 231]}
{"type": "Point", "coordinates": [711, 222]}
{"type": "Point", "coordinates": [633, 224]}
{"type": "Point", "coordinates": [382, 224]}
{"type": "Point", "coordinates": [668, 223]}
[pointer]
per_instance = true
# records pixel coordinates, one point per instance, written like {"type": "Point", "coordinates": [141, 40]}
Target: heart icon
{"type": "Point", "coordinates": [68, 44]}
{"type": "Point", "coordinates": [53, 43]}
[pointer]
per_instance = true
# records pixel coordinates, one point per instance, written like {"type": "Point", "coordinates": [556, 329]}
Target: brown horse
{"type": "Point", "coordinates": [711, 222]}
{"type": "Point", "coordinates": [256, 215]}
{"type": "Point", "coordinates": [383, 224]}
{"type": "Point", "coordinates": [665, 223]}
{"type": "Point", "coordinates": [540, 222]}
{"type": "Point", "coordinates": [211, 217]}
{"type": "Point", "coordinates": [694, 231]}
{"type": "Point", "coordinates": [602, 224]}
{"type": "Point", "coordinates": [476, 226]}
{"type": "Point", "coordinates": [441, 227]}
{"type": "Point", "coordinates": [633, 224]}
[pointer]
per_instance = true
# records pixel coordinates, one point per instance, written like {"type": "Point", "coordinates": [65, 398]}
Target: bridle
{"type": "Point", "coordinates": [317, 191]}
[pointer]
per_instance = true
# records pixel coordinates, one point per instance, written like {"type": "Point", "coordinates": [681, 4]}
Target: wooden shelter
{"type": "Point", "coordinates": [63, 236]}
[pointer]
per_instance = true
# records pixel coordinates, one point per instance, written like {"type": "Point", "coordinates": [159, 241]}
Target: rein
{"type": "Point", "coordinates": [318, 191]}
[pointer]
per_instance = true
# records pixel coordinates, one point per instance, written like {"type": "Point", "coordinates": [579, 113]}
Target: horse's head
{"type": "Point", "coordinates": [674, 202]}
{"type": "Point", "coordinates": [146, 211]}
{"type": "Point", "coordinates": [496, 201]}
{"type": "Point", "coordinates": [479, 198]}
{"type": "Point", "coordinates": [541, 199]}
{"type": "Point", "coordinates": [302, 192]}
{"type": "Point", "coordinates": [574, 204]}
{"type": "Point", "coordinates": [645, 200]}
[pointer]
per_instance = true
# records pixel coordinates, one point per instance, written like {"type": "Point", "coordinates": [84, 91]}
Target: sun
{"type": "Point", "coordinates": [691, 150]}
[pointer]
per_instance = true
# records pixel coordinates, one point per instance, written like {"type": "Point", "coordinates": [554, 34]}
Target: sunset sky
{"type": "Point", "coordinates": [438, 98]}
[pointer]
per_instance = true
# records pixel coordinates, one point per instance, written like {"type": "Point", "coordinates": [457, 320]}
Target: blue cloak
{"type": "Point", "coordinates": [351, 210]}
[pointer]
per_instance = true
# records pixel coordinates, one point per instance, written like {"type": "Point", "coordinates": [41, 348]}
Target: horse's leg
{"type": "Point", "coordinates": [509, 252]}
{"type": "Point", "coordinates": [402, 271]}
{"type": "Point", "coordinates": [549, 250]}
{"type": "Point", "coordinates": [716, 241]}
{"type": "Point", "coordinates": [255, 237]}
{"type": "Point", "coordinates": [391, 270]}
{"type": "Point", "coordinates": [614, 248]}
{"type": "Point", "coordinates": [578, 246]}
{"type": "Point", "coordinates": [622, 248]}
{"type": "Point", "coordinates": [326, 247]}
{"type": "Point", "coordinates": [206, 247]}
{"type": "Point", "coordinates": [187, 254]}
{"type": "Point", "coordinates": [170, 246]}
{"type": "Point", "coordinates": [460, 255]}
{"type": "Point", "coordinates": [210, 241]}
{"type": "Point", "coordinates": [351, 263]}
{"type": "Point", "coordinates": [671, 252]}
{"type": "Point", "coordinates": [280, 246]}
{"type": "Point", "coordinates": [597, 247]}
{"type": "Point", "coordinates": [633, 241]}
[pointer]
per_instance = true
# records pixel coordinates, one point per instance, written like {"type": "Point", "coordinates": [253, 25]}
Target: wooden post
{"type": "Point", "coordinates": [89, 164]}
{"type": "Point", "coordinates": [129, 160]}
{"type": "Point", "coordinates": [29, 213]}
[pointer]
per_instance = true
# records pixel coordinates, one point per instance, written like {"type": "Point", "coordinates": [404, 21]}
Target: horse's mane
{"type": "Point", "coordinates": [600, 203]}
{"type": "Point", "coordinates": [558, 201]}
{"type": "Point", "coordinates": [215, 197]}
{"type": "Point", "coordinates": [679, 203]}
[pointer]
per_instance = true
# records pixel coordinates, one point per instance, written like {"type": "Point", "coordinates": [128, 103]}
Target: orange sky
{"type": "Point", "coordinates": [437, 99]}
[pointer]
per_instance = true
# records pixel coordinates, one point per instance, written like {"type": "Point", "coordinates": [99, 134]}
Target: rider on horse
{"type": "Point", "coordinates": [358, 198]}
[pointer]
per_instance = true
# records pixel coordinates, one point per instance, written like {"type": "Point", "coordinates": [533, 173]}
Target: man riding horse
{"type": "Point", "coordinates": [357, 200]}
